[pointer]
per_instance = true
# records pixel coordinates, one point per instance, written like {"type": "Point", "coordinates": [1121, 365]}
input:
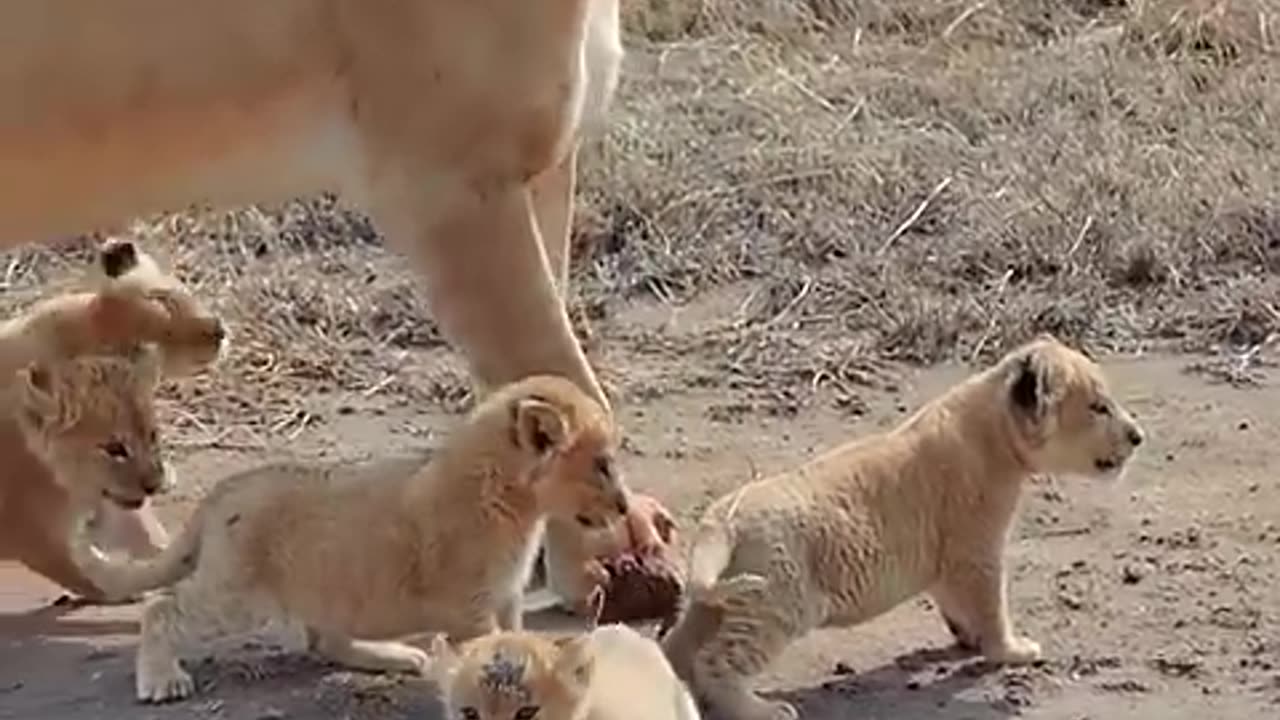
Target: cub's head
{"type": "Point", "coordinates": [91, 419]}
{"type": "Point", "coordinates": [137, 301]}
{"type": "Point", "coordinates": [514, 676]}
{"type": "Point", "coordinates": [560, 444]}
{"type": "Point", "coordinates": [1067, 420]}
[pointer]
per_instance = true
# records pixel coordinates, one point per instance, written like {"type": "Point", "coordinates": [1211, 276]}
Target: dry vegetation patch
{"type": "Point", "coordinates": [889, 180]}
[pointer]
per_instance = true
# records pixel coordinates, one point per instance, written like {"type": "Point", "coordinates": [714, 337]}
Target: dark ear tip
{"type": "Point", "coordinates": [1025, 390]}
{"type": "Point", "coordinates": [118, 257]}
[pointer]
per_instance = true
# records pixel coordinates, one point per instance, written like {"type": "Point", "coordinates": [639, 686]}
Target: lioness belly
{"type": "Point", "coordinates": [110, 110]}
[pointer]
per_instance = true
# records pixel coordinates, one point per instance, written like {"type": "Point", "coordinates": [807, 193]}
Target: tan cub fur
{"type": "Point", "coordinates": [80, 438]}
{"type": "Point", "coordinates": [925, 507]}
{"type": "Point", "coordinates": [134, 301]}
{"type": "Point", "coordinates": [445, 549]}
{"type": "Point", "coordinates": [610, 673]}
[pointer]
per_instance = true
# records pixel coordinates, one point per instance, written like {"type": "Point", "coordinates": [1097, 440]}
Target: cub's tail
{"type": "Point", "coordinates": [121, 580]}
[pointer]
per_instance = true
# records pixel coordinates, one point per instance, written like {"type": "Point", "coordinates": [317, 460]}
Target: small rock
{"type": "Point", "coordinates": [844, 669]}
{"type": "Point", "coordinates": [1133, 574]}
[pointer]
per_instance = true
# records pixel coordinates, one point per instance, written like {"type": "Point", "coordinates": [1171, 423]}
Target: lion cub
{"type": "Point", "coordinates": [80, 438]}
{"type": "Point", "coordinates": [112, 442]}
{"type": "Point", "coordinates": [864, 527]}
{"type": "Point", "coordinates": [610, 673]}
{"type": "Point", "coordinates": [350, 556]}
{"type": "Point", "coordinates": [134, 300]}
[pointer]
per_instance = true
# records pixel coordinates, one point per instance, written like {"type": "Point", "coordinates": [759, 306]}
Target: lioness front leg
{"type": "Point", "coordinates": [552, 194]}
{"type": "Point", "coordinates": [973, 598]}
{"type": "Point", "coordinates": [487, 277]}
{"type": "Point", "coordinates": [368, 655]}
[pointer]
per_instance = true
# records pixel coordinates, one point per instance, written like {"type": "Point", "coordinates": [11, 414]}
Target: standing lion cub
{"type": "Point", "coordinates": [925, 507]}
{"type": "Point", "coordinates": [360, 560]}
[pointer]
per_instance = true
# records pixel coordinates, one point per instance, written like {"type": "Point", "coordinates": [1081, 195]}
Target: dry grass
{"type": "Point", "coordinates": [890, 180]}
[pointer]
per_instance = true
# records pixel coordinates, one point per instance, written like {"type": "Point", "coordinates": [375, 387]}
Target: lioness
{"type": "Point", "coordinates": [610, 673]}
{"type": "Point", "coordinates": [80, 438]}
{"type": "Point", "coordinates": [446, 549]}
{"type": "Point", "coordinates": [862, 528]}
{"type": "Point", "coordinates": [134, 302]}
{"type": "Point", "coordinates": [454, 123]}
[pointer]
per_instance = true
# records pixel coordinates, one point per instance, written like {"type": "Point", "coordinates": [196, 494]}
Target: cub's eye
{"type": "Point", "coordinates": [470, 713]}
{"type": "Point", "coordinates": [153, 437]}
{"type": "Point", "coordinates": [116, 450]}
{"type": "Point", "coordinates": [528, 712]}
{"type": "Point", "coordinates": [1100, 408]}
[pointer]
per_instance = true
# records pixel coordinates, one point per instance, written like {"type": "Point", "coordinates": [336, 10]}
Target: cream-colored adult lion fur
{"type": "Point", "coordinates": [133, 301]}
{"type": "Point", "coordinates": [361, 560]}
{"type": "Point", "coordinates": [610, 673]}
{"type": "Point", "coordinates": [925, 507]}
{"type": "Point", "coordinates": [454, 123]}
{"type": "Point", "coordinates": [79, 437]}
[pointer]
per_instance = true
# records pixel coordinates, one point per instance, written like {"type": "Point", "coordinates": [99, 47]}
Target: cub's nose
{"type": "Point", "coordinates": [1135, 436]}
{"type": "Point", "coordinates": [622, 505]}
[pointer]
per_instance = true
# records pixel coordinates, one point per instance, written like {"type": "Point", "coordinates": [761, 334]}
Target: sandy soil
{"type": "Point", "coordinates": [1157, 597]}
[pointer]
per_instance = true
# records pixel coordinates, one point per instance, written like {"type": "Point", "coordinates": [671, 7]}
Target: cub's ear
{"type": "Point", "coordinates": [540, 427]}
{"type": "Point", "coordinates": [117, 257]}
{"type": "Point", "coordinates": [1026, 386]}
{"type": "Point", "coordinates": [576, 663]}
{"type": "Point", "coordinates": [38, 395]}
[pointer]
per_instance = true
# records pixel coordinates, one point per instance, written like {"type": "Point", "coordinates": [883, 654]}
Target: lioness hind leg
{"type": "Point", "coordinates": [973, 598]}
{"type": "Point", "coordinates": [371, 656]}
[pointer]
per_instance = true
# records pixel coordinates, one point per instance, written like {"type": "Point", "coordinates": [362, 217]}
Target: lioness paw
{"type": "Point", "coordinates": [157, 686]}
{"type": "Point", "coordinates": [1016, 651]}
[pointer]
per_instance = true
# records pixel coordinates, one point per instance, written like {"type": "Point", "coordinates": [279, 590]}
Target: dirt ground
{"type": "Point", "coordinates": [806, 216]}
{"type": "Point", "coordinates": [1155, 597]}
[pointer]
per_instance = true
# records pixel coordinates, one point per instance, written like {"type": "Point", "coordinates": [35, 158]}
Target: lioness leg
{"type": "Point", "coordinates": [487, 278]}
{"type": "Point", "coordinates": [552, 193]}
{"type": "Point", "coordinates": [973, 596]}
{"type": "Point", "coordinates": [754, 629]}
{"type": "Point", "coordinates": [372, 656]}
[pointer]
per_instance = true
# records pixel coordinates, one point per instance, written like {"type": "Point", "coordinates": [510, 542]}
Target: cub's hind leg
{"type": "Point", "coordinates": [368, 655]}
{"type": "Point", "coordinates": [756, 624]}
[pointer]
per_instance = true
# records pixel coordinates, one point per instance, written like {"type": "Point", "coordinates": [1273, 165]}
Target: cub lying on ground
{"type": "Point", "coordinates": [924, 507]}
{"type": "Point", "coordinates": [79, 438]}
{"type": "Point", "coordinates": [134, 301]}
{"type": "Point", "coordinates": [446, 549]}
{"type": "Point", "coordinates": [610, 673]}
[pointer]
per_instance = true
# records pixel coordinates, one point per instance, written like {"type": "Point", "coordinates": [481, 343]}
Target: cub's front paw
{"type": "Point", "coordinates": [171, 683]}
{"type": "Point", "coordinates": [1016, 651]}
